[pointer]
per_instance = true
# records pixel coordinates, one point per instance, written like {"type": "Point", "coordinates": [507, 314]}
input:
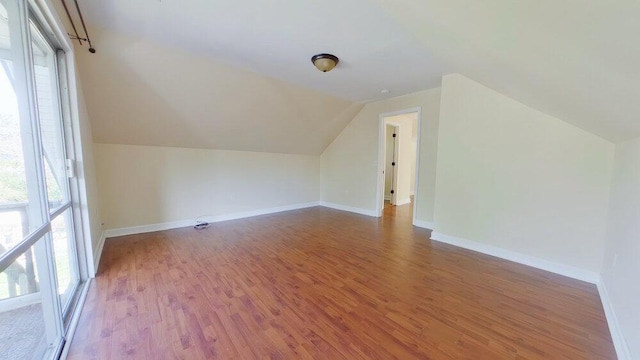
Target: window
{"type": "Point", "coordinates": [39, 271]}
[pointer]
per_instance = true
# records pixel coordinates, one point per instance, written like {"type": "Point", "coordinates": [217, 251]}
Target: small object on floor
{"type": "Point", "coordinates": [200, 225]}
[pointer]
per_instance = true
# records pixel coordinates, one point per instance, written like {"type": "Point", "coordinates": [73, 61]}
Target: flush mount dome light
{"type": "Point", "coordinates": [325, 62]}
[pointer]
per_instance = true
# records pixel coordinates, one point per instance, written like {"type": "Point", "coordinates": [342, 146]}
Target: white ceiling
{"type": "Point", "coordinates": [279, 37]}
{"type": "Point", "coordinates": [574, 59]}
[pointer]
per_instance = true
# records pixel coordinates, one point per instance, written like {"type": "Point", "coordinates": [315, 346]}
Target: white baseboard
{"type": "Point", "coordinates": [403, 201]}
{"type": "Point", "coordinates": [190, 222]}
{"type": "Point", "coordinates": [423, 224]}
{"type": "Point", "coordinates": [620, 344]}
{"type": "Point", "coordinates": [97, 254]}
{"type": "Point", "coordinates": [387, 197]}
{"type": "Point", "coordinates": [109, 233]}
{"type": "Point", "coordinates": [565, 270]}
{"type": "Point", "coordinates": [349, 208]}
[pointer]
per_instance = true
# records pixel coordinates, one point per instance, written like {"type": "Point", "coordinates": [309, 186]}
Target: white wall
{"type": "Point", "coordinates": [142, 185]}
{"type": "Point", "coordinates": [621, 271]}
{"type": "Point", "coordinates": [413, 154]}
{"type": "Point", "coordinates": [349, 165]}
{"type": "Point", "coordinates": [514, 178]}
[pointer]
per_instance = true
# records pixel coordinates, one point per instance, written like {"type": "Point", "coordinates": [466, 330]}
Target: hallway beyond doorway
{"type": "Point", "coordinates": [400, 214]}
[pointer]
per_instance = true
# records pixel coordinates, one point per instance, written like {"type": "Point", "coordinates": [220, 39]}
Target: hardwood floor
{"type": "Point", "coordinates": [325, 284]}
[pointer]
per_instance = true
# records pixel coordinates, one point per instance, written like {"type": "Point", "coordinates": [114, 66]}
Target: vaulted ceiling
{"type": "Point", "coordinates": [573, 59]}
{"type": "Point", "coordinates": [139, 93]}
{"type": "Point", "coordinates": [278, 38]}
{"type": "Point", "coordinates": [576, 60]}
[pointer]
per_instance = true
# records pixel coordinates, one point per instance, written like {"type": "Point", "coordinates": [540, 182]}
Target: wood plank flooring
{"type": "Point", "coordinates": [319, 283]}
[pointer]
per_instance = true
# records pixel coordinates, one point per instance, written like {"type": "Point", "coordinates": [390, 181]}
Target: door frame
{"type": "Point", "coordinates": [382, 155]}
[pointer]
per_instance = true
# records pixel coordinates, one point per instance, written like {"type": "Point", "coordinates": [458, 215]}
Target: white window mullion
{"type": "Point", "coordinates": [60, 210]}
{"type": "Point", "coordinates": [48, 290]}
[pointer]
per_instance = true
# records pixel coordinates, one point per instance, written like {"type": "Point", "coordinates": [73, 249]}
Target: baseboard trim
{"type": "Point", "coordinates": [97, 254]}
{"type": "Point", "coordinates": [132, 230]}
{"type": "Point", "coordinates": [387, 197]}
{"type": "Point", "coordinates": [423, 224]}
{"type": "Point", "coordinates": [561, 269]}
{"type": "Point", "coordinates": [620, 344]}
{"type": "Point", "coordinates": [356, 210]}
{"type": "Point", "coordinates": [213, 219]}
{"type": "Point", "coordinates": [403, 201]}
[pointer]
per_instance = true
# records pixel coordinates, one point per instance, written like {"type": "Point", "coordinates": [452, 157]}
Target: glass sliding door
{"type": "Point", "coordinates": [54, 159]}
{"type": "Point", "coordinates": [39, 273]}
{"type": "Point", "coordinates": [28, 319]}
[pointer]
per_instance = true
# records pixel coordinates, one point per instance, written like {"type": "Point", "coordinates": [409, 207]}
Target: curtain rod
{"type": "Point", "coordinates": [76, 36]}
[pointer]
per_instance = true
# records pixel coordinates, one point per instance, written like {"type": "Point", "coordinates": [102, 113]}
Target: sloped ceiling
{"type": "Point", "coordinates": [279, 37]}
{"type": "Point", "coordinates": [576, 60]}
{"type": "Point", "coordinates": [138, 93]}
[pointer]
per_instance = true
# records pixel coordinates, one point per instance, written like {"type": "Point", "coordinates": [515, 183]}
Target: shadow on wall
{"type": "Point", "coordinates": [116, 94]}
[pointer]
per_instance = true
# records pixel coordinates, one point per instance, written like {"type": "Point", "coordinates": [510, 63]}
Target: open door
{"type": "Point", "coordinates": [391, 161]}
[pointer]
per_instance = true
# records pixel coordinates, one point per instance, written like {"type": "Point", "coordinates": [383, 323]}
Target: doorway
{"type": "Point", "coordinates": [399, 161]}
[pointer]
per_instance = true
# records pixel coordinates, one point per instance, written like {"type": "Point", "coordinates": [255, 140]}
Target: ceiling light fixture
{"type": "Point", "coordinates": [325, 62]}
